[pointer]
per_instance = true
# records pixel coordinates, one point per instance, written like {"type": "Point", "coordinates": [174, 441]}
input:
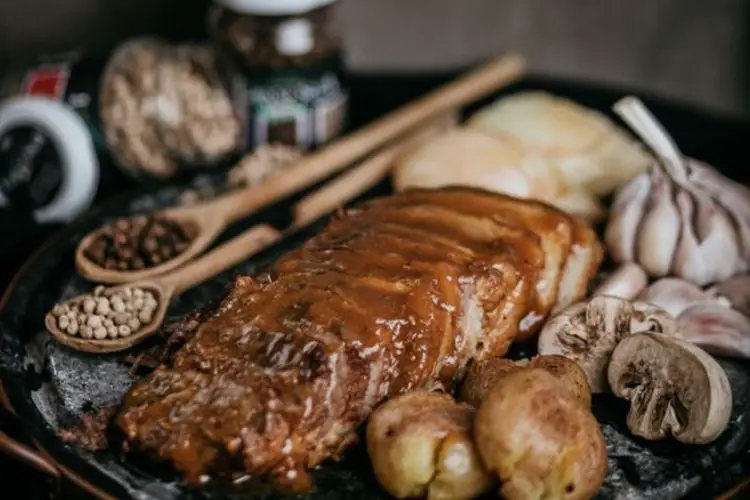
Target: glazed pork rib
{"type": "Point", "coordinates": [398, 294]}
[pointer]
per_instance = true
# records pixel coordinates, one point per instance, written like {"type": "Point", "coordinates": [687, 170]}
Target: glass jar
{"type": "Point", "coordinates": [285, 56]}
{"type": "Point", "coordinates": [164, 108]}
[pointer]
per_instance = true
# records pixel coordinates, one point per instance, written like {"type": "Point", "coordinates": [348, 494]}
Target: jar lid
{"type": "Point", "coordinates": [59, 126]}
{"type": "Point", "coordinates": [273, 7]}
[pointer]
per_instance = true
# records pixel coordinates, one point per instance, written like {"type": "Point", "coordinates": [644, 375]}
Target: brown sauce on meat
{"type": "Point", "coordinates": [280, 376]}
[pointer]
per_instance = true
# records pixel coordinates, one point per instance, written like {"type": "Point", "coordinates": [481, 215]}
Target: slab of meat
{"type": "Point", "coordinates": [397, 294]}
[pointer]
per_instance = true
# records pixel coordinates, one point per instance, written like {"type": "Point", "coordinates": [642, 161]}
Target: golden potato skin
{"type": "Point", "coordinates": [420, 445]}
{"type": "Point", "coordinates": [540, 440]}
{"type": "Point", "coordinates": [481, 377]}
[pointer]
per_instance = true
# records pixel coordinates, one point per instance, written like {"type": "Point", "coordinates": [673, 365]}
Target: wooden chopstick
{"type": "Point", "coordinates": [356, 145]}
{"type": "Point", "coordinates": [344, 188]}
{"type": "Point", "coordinates": [366, 175]}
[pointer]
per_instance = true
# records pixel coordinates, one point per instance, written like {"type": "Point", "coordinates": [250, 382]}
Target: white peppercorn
{"type": "Point", "coordinates": [59, 310]}
{"type": "Point", "coordinates": [121, 318]}
{"type": "Point", "coordinates": [102, 306]}
{"type": "Point", "coordinates": [108, 322]}
{"type": "Point", "coordinates": [89, 305]}
{"type": "Point", "coordinates": [134, 324]}
{"type": "Point", "coordinates": [138, 303]}
{"type": "Point", "coordinates": [94, 321]}
{"type": "Point", "coordinates": [86, 332]}
{"type": "Point", "coordinates": [138, 293]}
{"type": "Point", "coordinates": [73, 327]}
{"type": "Point", "coordinates": [146, 315]}
{"type": "Point", "coordinates": [81, 318]}
{"type": "Point", "coordinates": [63, 322]}
{"type": "Point", "coordinates": [112, 332]}
{"type": "Point", "coordinates": [117, 304]}
{"type": "Point", "coordinates": [123, 330]}
{"type": "Point", "coordinates": [100, 333]}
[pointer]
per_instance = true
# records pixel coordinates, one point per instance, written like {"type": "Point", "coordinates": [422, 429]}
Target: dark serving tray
{"type": "Point", "coordinates": [49, 386]}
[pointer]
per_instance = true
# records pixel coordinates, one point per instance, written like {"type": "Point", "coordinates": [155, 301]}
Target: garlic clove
{"type": "Point", "coordinates": [736, 291]}
{"type": "Point", "coordinates": [674, 295]}
{"type": "Point", "coordinates": [660, 229]}
{"type": "Point", "coordinates": [625, 217]}
{"type": "Point", "coordinates": [732, 196]}
{"type": "Point", "coordinates": [717, 329]}
{"type": "Point", "coordinates": [625, 282]}
{"type": "Point", "coordinates": [708, 249]}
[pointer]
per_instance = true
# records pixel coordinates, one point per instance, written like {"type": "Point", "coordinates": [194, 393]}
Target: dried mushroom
{"type": "Point", "coordinates": [540, 440]}
{"type": "Point", "coordinates": [482, 376]}
{"type": "Point", "coordinates": [674, 388]}
{"type": "Point", "coordinates": [420, 445]}
{"type": "Point", "coordinates": [588, 332]}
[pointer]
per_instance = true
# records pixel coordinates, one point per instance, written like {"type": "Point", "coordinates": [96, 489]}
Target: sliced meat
{"type": "Point", "coordinates": [554, 228]}
{"type": "Point", "coordinates": [388, 298]}
{"type": "Point", "coordinates": [585, 257]}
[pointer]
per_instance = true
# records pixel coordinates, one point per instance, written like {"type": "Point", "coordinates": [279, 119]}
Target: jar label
{"type": "Point", "coordinates": [48, 80]}
{"type": "Point", "coordinates": [302, 112]}
{"type": "Point", "coordinates": [68, 78]}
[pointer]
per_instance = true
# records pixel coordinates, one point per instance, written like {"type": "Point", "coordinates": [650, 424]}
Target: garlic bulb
{"type": "Point", "coordinates": [681, 217]}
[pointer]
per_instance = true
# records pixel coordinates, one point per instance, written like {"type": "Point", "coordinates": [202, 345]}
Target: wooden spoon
{"type": "Point", "coordinates": [170, 285]}
{"type": "Point", "coordinates": [211, 218]}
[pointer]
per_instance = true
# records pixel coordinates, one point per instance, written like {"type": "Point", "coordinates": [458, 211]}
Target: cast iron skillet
{"type": "Point", "coordinates": [48, 386]}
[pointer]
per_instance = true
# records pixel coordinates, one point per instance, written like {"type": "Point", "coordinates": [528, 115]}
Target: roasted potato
{"type": "Point", "coordinates": [481, 377]}
{"type": "Point", "coordinates": [539, 439]}
{"type": "Point", "coordinates": [420, 445]}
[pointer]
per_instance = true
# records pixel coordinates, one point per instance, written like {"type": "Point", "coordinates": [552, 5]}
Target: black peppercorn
{"type": "Point", "coordinates": [138, 244]}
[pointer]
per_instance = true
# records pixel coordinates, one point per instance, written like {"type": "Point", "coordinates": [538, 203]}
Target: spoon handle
{"type": "Point", "coordinates": [314, 206]}
{"type": "Point", "coordinates": [353, 146]}
{"type": "Point", "coordinates": [366, 175]}
{"type": "Point", "coordinates": [221, 258]}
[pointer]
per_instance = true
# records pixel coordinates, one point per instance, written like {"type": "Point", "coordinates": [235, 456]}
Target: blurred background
{"type": "Point", "coordinates": [690, 50]}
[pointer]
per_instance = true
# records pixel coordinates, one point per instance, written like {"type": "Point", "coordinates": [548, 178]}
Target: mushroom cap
{"type": "Point", "coordinates": [674, 388]}
{"type": "Point", "coordinates": [588, 332]}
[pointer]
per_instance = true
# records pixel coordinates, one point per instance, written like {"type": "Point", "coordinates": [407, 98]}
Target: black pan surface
{"type": "Point", "coordinates": [49, 386]}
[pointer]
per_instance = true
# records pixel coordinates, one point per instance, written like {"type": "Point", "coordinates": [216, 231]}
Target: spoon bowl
{"type": "Point", "coordinates": [163, 294]}
{"type": "Point", "coordinates": [208, 227]}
